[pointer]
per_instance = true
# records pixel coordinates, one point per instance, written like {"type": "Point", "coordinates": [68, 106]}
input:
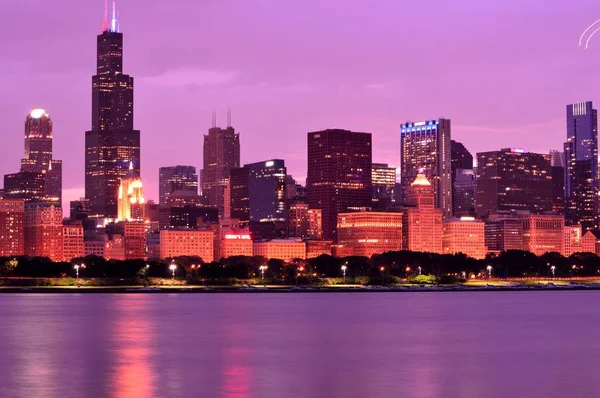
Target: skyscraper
{"type": "Point", "coordinates": [40, 177]}
{"type": "Point", "coordinates": [176, 178]}
{"type": "Point", "coordinates": [221, 154]}
{"type": "Point", "coordinates": [425, 147]}
{"type": "Point", "coordinates": [12, 227]}
{"type": "Point", "coordinates": [421, 220]}
{"type": "Point", "coordinates": [558, 181]}
{"type": "Point", "coordinates": [512, 179]}
{"type": "Point", "coordinates": [131, 204]}
{"type": "Point", "coordinates": [339, 174]}
{"type": "Point", "coordinates": [463, 180]}
{"type": "Point", "coordinates": [581, 165]}
{"type": "Point", "coordinates": [112, 144]}
{"type": "Point", "coordinates": [383, 178]}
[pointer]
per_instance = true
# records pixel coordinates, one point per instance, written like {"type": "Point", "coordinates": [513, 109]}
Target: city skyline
{"type": "Point", "coordinates": [366, 95]}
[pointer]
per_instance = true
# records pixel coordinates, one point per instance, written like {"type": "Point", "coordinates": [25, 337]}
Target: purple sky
{"type": "Point", "coordinates": [503, 71]}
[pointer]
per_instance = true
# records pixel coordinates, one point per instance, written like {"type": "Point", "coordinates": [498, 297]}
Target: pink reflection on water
{"type": "Point", "coordinates": [133, 374]}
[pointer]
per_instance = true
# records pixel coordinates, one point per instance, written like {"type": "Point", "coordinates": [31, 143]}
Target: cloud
{"type": "Point", "coordinates": [190, 77]}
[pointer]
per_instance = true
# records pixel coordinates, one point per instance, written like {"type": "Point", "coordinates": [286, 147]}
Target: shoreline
{"type": "Point", "coordinates": [287, 289]}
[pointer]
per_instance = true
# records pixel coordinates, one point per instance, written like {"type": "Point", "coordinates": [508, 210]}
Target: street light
{"type": "Point", "coordinates": [419, 268]}
{"type": "Point", "coordinates": [344, 268]}
{"type": "Point", "coordinates": [77, 266]}
{"type": "Point", "coordinates": [173, 267]}
{"type": "Point", "coordinates": [262, 269]}
{"type": "Point", "coordinates": [553, 268]}
{"type": "Point", "coordinates": [489, 270]}
{"type": "Point", "coordinates": [382, 269]}
{"type": "Point", "coordinates": [300, 269]}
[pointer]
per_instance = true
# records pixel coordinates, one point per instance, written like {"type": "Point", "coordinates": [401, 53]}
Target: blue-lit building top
{"type": "Point", "coordinates": [267, 190]}
{"type": "Point", "coordinates": [425, 146]}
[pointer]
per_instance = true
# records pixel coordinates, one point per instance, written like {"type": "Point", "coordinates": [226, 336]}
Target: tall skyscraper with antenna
{"type": "Point", "coordinates": [221, 154]}
{"type": "Point", "coordinates": [112, 144]}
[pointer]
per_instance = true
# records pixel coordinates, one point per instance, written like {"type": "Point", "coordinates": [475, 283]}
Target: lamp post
{"type": "Point", "coordinates": [419, 268]}
{"type": "Point", "coordinates": [489, 270]}
{"type": "Point", "coordinates": [300, 269]}
{"type": "Point", "coordinates": [382, 269]}
{"type": "Point", "coordinates": [344, 268]}
{"type": "Point", "coordinates": [173, 267]}
{"type": "Point", "coordinates": [262, 269]}
{"type": "Point", "coordinates": [553, 269]}
{"type": "Point", "coordinates": [407, 270]}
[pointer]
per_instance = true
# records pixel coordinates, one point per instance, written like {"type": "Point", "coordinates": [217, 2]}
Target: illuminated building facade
{"type": "Point", "coordinates": [236, 244]}
{"type": "Point", "coordinates": [44, 231]}
{"type": "Point", "coordinates": [425, 148]}
{"type": "Point", "coordinates": [126, 240]}
{"type": "Point", "coordinates": [112, 144]}
{"type": "Point", "coordinates": [383, 179]}
{"type": "Point", "coordinates": [369, 233]}
{"type": "Point", "coordinates": [176, 178]}
{"type": "Point", "coordinates": [512, 179]}
{"type": "Point", "coordinates": [463, 180]}
{"type": "Point", "coordinates": [573, 239]}
{"type": "Point", "coordinates": [73, 246]}
{"type": "Point", "coordinates": [464, 235]}
{"type": "Point", "coordinates": [281, 249]}
{"type": "Point", "coordinates": [339, 174]}
{"type": "Point", "coordinates": [174, 243]}
{"type": "Point", "coordinates": [421, 220]}
{"type": "Point", "coordinates": [581, 165]}
{"type": "Point", "coordinates": [304, 222]}
{"type": "Point", "coordinates": [317, 247]}
{"type": "Point", "coordinates": [26, 185]}
{"type": "Point", "coordinates": [221, 154]}
{"type": "Point", "coordinates": [12, 227]}
{"type": "Point", "coordinates": [131, 204]}
{"type": "Point", "coordinates": [590, 242]}
{"type": "Point", "coordinates": [543, 233]}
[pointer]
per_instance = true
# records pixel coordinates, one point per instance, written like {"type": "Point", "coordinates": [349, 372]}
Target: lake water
{"type": "Point", "coordinates": [489, 344]}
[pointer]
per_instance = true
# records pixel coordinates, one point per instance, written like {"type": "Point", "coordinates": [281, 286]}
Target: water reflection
{"type": "Point", "coordinates": [306, 345]}
{"type": "Point", "coordinates": [131, 342]}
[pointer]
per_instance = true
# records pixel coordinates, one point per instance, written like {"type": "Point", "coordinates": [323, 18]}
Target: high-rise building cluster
{"type": "Point", "coordinates": [442, 200]}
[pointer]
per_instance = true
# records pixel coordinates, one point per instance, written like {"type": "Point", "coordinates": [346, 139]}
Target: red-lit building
{"type": "Point", "coordinates": [12, 227]}
{"type": "Point", "coordinates": [73, 242]}
{"type": "Point", "coordinates": [44, 232]}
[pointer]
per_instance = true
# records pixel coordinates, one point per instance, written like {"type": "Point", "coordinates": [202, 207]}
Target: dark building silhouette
{"type": "Point", "coordinates": [184, 209]}
{"type": "Point", "coordinates": [463, 191]}
{"type": "Point", "coordinates": [339, 174]}
{"type": "Point", "coordinates": [112, 145]}
{"type": "Point", "coordinates": [512, 179]}
{"type": "Point", "coordinates": [425, 146]}
{"type": "Point", "coordinates": [258, 194]}
{"type": "Point", "coordinates": [79, 212]}
{"type": "Point", "coordinates": [176, 178]}
{"type": "Point", "coordinates": [558, 181]}
{"type": "Point", "coordinates": [221, 154]}
{"type": "Point", "coordinates": [581, 166]}
{"type": "Point", "coordinates": [240, 195]}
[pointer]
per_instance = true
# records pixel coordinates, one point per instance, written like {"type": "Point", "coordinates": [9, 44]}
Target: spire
{"type": "Point", "coordinates": [114, 23]}
{"type": "Point", "coordinates": [228, 117]}
{"type": "Point", "coordinates": [214, 118]}
{"type": "Point", "coordinates": [105, 20]}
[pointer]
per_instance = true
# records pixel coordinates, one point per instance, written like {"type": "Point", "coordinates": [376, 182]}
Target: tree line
{"type": "Point", "coordinates": [386, 266]}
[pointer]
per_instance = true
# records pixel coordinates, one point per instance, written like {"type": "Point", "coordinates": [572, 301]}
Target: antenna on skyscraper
{"type": "Point", "coordinates": [214, 118]}
{"type": "Point", "coordinates": [228, 117]}
{"type": "Point", "coordinates": [105, 21]}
